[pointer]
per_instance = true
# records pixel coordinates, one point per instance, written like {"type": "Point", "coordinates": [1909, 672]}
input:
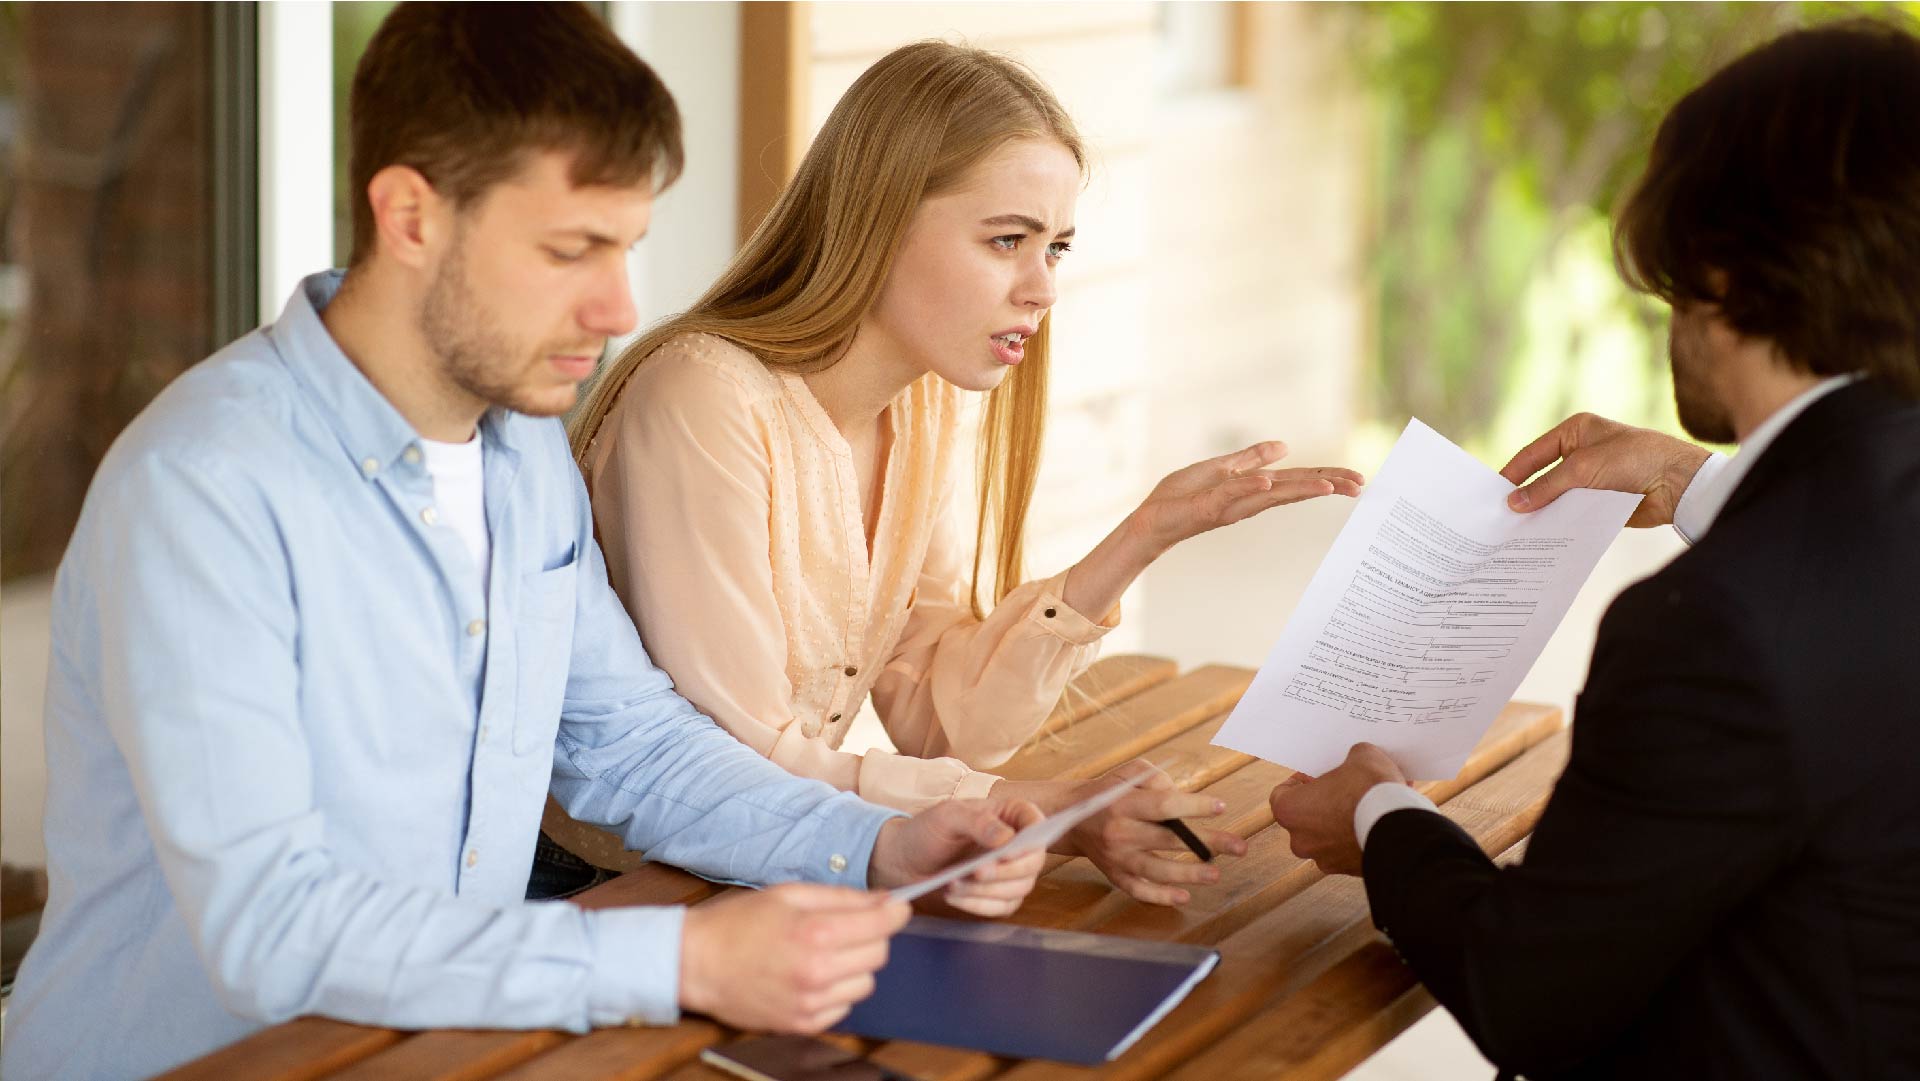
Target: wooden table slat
{"type": "Point", "coordinates": [652, 884]}
{"type": "Point", "coordinates": [299, 1050]}
{"type": "Point", "coordinates": [1106, 682]}
{"type": "Point", "coordinates": [1121, 732]}
{"type": "Point", "coordinates": [451, 1055]}
{"type": "Point", "coordinates": [1325, 1029]}
{"type": "Point", "coordinates": [1191, 759]}
{"type": "Point", "coordinates": [931, 1062]}
{"type": "Point", "coordinates": [619, 1054]}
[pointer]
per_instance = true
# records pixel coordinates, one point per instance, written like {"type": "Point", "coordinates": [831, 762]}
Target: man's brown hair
{"type": "Point", "coordinates": [1786, 190]}
{"type": "Point", "coordinates": [465, 92]}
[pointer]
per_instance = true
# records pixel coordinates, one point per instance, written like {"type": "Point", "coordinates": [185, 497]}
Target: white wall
{"type": "Point", "coordinates": [695, 48]}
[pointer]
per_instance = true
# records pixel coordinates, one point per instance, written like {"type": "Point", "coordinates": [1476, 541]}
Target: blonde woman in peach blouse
{"type": "Point", "coordinates": [778, 474]}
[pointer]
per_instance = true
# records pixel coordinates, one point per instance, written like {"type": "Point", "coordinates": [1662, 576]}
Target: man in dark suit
{"type": "Point", "coordinates": [1726, 880]}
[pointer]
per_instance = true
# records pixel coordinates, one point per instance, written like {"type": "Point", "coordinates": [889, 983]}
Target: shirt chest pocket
{"type": "Point", "coordinates": [543, 629]}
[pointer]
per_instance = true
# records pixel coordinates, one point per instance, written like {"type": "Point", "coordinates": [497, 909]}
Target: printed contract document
{"type": "Point", "coordinates": [1424, 618]}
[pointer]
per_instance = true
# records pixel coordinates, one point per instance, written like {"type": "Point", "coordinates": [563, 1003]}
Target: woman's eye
{"type": "Point", "coordinates": [565, 256]}
{"type": "Point", "coordinates": [1006, 243]}
{"type": "Point", "coordinates": [1058, 248]}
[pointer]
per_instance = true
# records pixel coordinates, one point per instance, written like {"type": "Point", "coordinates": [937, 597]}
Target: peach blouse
{"type": "Point", "coordinates": [728, 509]}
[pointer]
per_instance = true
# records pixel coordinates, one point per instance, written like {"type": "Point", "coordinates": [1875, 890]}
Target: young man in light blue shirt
{"type": "Point", "coordinates": [311, 684]}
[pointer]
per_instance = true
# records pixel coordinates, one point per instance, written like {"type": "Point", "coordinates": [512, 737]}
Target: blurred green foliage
{"type": "Point", "coordinates": [1507, 134]}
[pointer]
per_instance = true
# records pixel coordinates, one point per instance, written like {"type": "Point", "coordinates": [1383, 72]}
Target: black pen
{"type": "Point", "coordinates": [1189, 838]}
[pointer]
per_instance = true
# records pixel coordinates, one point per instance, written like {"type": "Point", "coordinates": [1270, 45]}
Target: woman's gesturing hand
{"type": "Point", "coordinates": [1220, 491]}
{"type": "Point", "coordinates": [1205, 495]}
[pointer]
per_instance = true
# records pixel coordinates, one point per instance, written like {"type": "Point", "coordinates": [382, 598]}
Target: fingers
{"type": "Point", "coordinates": [1149, 892]}
{"type": "Point", "coordinates": [852, 928]}
{"type": "Point", "coordinates": [1021, 813]}
{"type": "Point", "coordinates": [1025, 865]}
{"type": "Point", "coordinates": [1279, 495]}
{"type": "Point", "coordinates": [1151, 777]}
{"type": "Point", "coordinates": [1292, 486]}
{"type": "Point", "coordinates": [830, 969]}
{"type": "Point", "coordinates": [997, 898]}
{"type": "Point", "coordinates": [823, 1008]}
{"type": "Point", "coordinates": [988, 907]}
{"type": "Point", "coordinates": [1546, 450]}
{"type": "Point", "coordinates": [1254, 457]}
{"type": "Point", "coordinates": [1345, 481]}
{"type": "Point", "coordinates": [985, 827]}
{"type": "Point", "coordinates": [1171, 803]}
{"type": "Point", "coordinates": [1124, 835]}
{"type": "Point", "coordinates": [1371, 757]}
{"type": "Point", "coordinates": [1551, 485]}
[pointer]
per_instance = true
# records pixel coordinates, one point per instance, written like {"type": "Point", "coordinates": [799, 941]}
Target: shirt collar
{"type": "Point", "coordinates": [1721, 486]}
{"type": "Point", "coordinates": [369, 428]}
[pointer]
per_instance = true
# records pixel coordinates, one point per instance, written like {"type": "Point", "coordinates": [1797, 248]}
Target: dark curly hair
{"type": "Point", "coordinates": [1786, 191]}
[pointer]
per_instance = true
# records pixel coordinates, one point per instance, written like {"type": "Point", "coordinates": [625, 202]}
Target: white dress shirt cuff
{"type": "Point", "coordinates": [636, 965]}
{"type": "Point", "coordinates": [1692, 515]}
{"type": "Point", "coordinates": [1382, 799]}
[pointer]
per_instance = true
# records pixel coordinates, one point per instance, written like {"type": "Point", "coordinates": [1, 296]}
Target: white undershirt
{"type": "Point", "coordinates": [459, 491]}
{"type": "Point", "coordinates": [1699, 505]}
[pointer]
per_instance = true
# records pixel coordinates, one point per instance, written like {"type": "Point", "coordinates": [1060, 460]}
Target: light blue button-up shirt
{"type": "Point", "coordinates": [297, 761]}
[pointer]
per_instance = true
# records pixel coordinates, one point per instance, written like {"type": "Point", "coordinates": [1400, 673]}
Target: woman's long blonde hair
{"type": "Point", "coordinates": [910, 127]}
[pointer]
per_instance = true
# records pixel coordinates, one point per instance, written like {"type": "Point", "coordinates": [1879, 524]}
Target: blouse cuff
{"type": "Point", "coordinates": [975, 785]}
{"type": "Point", "coordinates": [1063, 621]}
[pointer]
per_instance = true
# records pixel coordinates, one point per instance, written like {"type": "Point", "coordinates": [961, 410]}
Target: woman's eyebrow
{"type": "Point", "coordinates": [1031, 225]}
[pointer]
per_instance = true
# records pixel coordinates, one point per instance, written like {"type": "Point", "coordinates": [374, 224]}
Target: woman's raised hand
{"type": "Point", "coordinates": [1205, 495]}
{"type": "Point", "coordinates": [1220, 491]}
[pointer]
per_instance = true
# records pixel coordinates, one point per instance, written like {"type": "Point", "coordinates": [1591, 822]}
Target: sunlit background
{"type": "Point", "coordinates": [1309, 222]}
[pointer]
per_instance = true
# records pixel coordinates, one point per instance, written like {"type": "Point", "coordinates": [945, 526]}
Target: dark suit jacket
{"type": "Point", "coordinates": [1726, 881]}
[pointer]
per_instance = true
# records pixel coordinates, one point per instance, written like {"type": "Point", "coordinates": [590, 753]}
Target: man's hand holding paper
{"type": "Point", "coordinates": [1424, 617]}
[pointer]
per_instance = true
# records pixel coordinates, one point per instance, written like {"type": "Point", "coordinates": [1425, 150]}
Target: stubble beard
{"type": "Point", "coordinates": [1701, 412]}
{"type": "Point", "coordinates": [475, 356]}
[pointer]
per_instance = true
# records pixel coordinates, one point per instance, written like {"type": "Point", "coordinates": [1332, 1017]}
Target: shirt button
{"type": "Point", "coordinates": [476, 628]}
{"type": "Point", "coordinates": [837, 863]}
{"type": "Point", "coordinates": [1050, 613]}
{"type": "Point", "coordinates": [412, 455]}
{"type": "Point", "coordinates": [369, 466]}
{"type": "Point", "coordinates": [473, 856]}
{"type": "Point", "coordinates": [429, 515]}
{"type": "Point", "coordinates": [850, 670]}
{"type": "Point", "coordinates": [833, 718]}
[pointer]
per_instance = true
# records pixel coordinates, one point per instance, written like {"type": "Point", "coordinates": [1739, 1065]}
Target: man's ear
{"type": "Point", "coordinates": [407, 215]}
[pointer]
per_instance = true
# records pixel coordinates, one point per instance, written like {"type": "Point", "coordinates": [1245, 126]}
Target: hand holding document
{"type": "Point", "coordinates": [1039, 835]}
{"type": "Point", "coordinates": [1423, 619]}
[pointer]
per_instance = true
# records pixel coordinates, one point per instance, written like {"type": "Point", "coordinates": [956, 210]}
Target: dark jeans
{"type": "Point", "coordinates": [558, 873]}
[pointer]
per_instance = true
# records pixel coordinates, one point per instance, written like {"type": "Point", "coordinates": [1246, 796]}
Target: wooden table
{"type": "Point", "coordinates": [1306, 988]}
